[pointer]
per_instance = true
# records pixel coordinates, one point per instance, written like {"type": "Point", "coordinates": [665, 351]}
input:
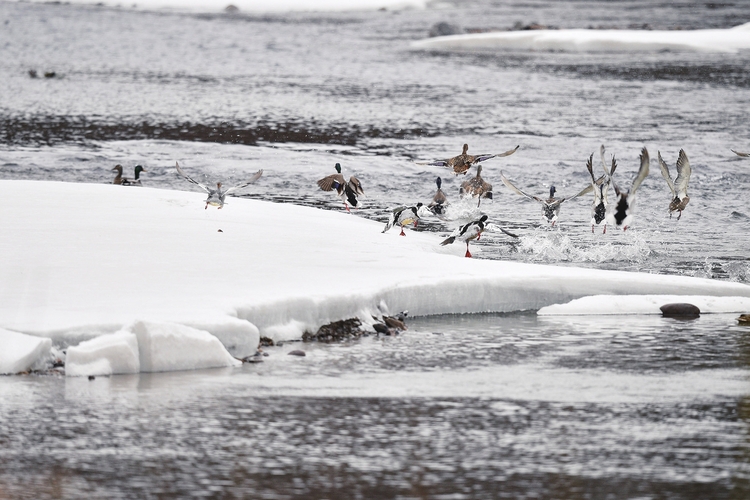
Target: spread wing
{"type": "Point", "coordinates": [683, 175]}
{"type": "Point", "coordinates": [481, 158]}
{"type": "Point", "coordinates": [665, 172]}
{"type": "Point", "coordinates": [738, 153]}
{"type": "Point", "coordinates": [254, 178]}
{"type": "Point", "coordinates": [189, 179]}
{"type": "Point", "coordinates": [436, 163]}
{"type": "Point", "coordinates": [356, 186]}
{"type": "Point", "coordinates": [518, 191]}
{"type": "Point", "coordinates": [493, 228]}
{"type": "Point", "coordinates": [597, 192]}
{"type": "Point", "coordinates": [585, 190]}
{"type": "Point", "coordinates": [611, 171]}
{"type": "Point", "coordinates": [331, 182]}
{"type": "Point", "coordinates": [642, 172]}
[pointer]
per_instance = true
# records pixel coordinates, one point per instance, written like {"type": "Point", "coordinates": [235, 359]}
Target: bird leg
{"type": "Point", "coordinates": [415, 223]}
{"type": "Point", "coordinates": [592, 228]}
{"type": "Point", "coordinates": [468, 254]}
{"type": "Point", "coordinates": [347, 207]}
{"type": "Point", "coordinates": [678, 217]}
{"type": "Point", "coordinates": [402, 231]}
{"type": "Point", "coordinates": [605, 229]}
{"type": "Point", "coordinates": [206, 207]}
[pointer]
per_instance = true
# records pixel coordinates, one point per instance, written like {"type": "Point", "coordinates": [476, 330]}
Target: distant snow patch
{"type": "Point", "coordinates": [644, 304]}
{"type": "Point", "coordinates": [20, 352]}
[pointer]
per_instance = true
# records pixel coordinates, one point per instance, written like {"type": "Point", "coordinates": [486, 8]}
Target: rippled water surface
{"type": "Point", "coordinates": [496, 406]}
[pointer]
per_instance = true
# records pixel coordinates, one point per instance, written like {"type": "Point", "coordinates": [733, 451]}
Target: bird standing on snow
{"type": "Point", "coordinates": [403, 216]}
{"type": "Point", "coordinates": [439, 201]}
{"type": "Point", "coordinates": [600, 187]}
{"type": "Point", "coordinates": [347, 191]}
{"type": "Point", "coordinates": [622, 215]}
{"type": "Point", "coordinates": [468, 232]}
{"type": "Point", "coordinates": [551, 205]}
{"type": "Point", "coordinates": [680, 198]}
{"type": "Point", "coordinates": [476, 187]}
{"type": "Point", "coordinates": [460, 164]}
{"type": "Point", "coordinates": [216, 196]}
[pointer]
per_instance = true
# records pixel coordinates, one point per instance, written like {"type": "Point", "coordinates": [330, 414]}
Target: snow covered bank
{"type": "Point", "coordinates": [644, 304]}
{"type": "Point", "coordinates": [585, 40]}
{"type": "Point", "coordinates": [81, 260]}
{"type": "Point", "coordinates": [19, 352]}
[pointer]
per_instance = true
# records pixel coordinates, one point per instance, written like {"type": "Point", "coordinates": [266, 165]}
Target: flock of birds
{"type": "Point", "coordinates": [617, 212]}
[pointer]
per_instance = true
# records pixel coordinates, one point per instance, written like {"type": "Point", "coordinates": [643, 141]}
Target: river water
{"type": "Point", "coordinates": [487, 406]}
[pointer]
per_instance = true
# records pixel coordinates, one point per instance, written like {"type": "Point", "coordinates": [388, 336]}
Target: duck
{"type": "Point", "coordinates": [622, 215]}
{"type": "Point", "coordinates": [136, 181]}
{"type": "Point", "coordinates": [477, 187]}
{"type": "Point", "coordinates": [462, 163]}
{"type": "Point", "coordinates": [680, 198]}
{"type": "Point", "coordinates": [741, 154]}
{"type": "Point", "coordinates": [118, 177]}
{"type": "Point", "coordinates": [403, 216]}
{"type": "Point", "coordinates": [468, 232]}
{"type": "Point", "coordinates": [600, 187]}
{"type": "Point", "coordinates": [550, 206]}
{"type": "Point", "coordinates": [439, 201]}
{"type": "Point", "coordinates": [216, 196]}
{"type": "Point", "coordinates": [349, 192]}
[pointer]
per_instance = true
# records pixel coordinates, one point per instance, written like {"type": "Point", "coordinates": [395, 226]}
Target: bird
{"type": "Point", "coordinates": [216, 196]}
{"type": "Point", "coordinates": [118, 177]}
{"type": "Point", "coordinates": [600, 187]}
{"type": "Point", "coordinates": [476, 187]}
{"type": "Point", "coordinates": [622, 215]}
{"type": "Point", "coordinates": [136, 181]}
{"type": "Point", "coordinates": [551, 205]}
{"type": "Point", "coordinates": [680, 198]}
{"type": "Point", "coordinates": [439, 201]}
{"type": "Point", "coordinates": [739, 153]}
{"type": "Point", "coordinates": [349, 192]}
{"type": "Point", "coordinates": [403, 216]}
{"type": "Point", "coordinates": [468, 232]}
{"type": "Point", "coordinates": [460, 164]}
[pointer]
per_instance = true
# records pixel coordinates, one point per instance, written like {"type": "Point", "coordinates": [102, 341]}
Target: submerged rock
{"type": "Point", "coordinates": [680, 310]}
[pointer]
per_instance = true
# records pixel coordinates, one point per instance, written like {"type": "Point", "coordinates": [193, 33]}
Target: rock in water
{"type": "Point", "coordinates": [680, 310]}
{"type": "Point", "coordinates": [296, 352]}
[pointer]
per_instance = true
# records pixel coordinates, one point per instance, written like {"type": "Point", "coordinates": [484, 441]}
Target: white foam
{"type": "Point", "coordinates": [20, 352]}
{"type": "Point", "coordinates": [105, 355]}
{"type": "Point", "coordinates": [589, 40]}
{"type": "Point", "coordinates": [644, 304]}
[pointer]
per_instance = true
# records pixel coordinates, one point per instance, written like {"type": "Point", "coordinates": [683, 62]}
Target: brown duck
{"type": "Point", "coordinates": [460, 164]}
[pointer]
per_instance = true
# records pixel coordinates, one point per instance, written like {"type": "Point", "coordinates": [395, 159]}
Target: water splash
{"type": "Point", "coordinates": [544, 245]}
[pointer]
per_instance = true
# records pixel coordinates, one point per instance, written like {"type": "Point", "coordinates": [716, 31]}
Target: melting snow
{"type": "Point", "coordinates": [20, 352]}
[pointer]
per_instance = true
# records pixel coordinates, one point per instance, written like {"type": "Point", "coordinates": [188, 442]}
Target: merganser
{"type": "Point", "coordinates": [466, 233]}
{"type": "Point", "coordinates": [622, 215]}
{"type": "Point", "coordinates": [404, 216]}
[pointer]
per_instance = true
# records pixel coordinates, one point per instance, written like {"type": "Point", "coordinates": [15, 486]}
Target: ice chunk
{"type": "Point", "coordinates": [20, 352]}
{"type": "Point", "coordinates": [239, 336]}
{"type": "Point", "coordinates": [644, 304]}
{"type": "Point", "coordinates": [169, 346]}
{"type": "Point", "coordinates": [105, 355]}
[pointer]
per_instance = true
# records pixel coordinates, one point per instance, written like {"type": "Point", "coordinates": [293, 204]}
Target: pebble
{"type": "Point", "coordinates": [296, 352]}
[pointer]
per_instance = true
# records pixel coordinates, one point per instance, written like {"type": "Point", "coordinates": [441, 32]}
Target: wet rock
{"type": "Point", "coordinates": [254, 358]}
{"type": "Point", "coordinates": [265, 342]}
{"type": "Point", "coordinates": [680, 310]}
{"type": "Point", "coordinates": [744, 319]}
{"type": "Point", "coordinates": [49, 74]}
{"type": "Point", "coordinates": [336, 331]}
{"type": "Point", "coordinates": [91, 377]}
{"type": "Point", "coordinates": [445, 29]}
{"type": "Point", "coordinates": [231, 9]}
{"type": "Point", "coordinates": [380, 328]}
{"type": "Point", "coordinates": [296, 352]}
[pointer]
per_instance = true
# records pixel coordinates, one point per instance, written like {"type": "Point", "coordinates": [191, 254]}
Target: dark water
{"type": "Point", "coordinates": [458, 407]}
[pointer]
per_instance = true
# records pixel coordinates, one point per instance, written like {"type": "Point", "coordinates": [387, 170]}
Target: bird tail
{"type": "Point", "coordinates": [448, 241]}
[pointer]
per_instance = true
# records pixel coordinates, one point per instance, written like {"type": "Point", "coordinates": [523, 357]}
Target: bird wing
{"type": "Point", "coordinates": [189, 179]}
{"type": "Point", "coordinates": [738, 153]}
{"type": "Point", "coordinates": [481, 158]}
{"type": "Point", "coordinates": [493, 228]}
{"type": "Point", "coordinates": [439, 198]}
{"type": "Point", "coordinates": [665, 172]}
{"type": "Point", "coordinates": [331, 182]}
{"type": "Point", "coordinates": [435, 163]}
{"type": "Point", "coordinates": [254, 178]}
{"type": "Point", "coordinates": [683, 175]}
{"type": "Point", "coordinates": [356, 186]}
{"type": "Point", "coordinates": [597, 192]}
{"type": "Point", "coordinates": [611, 171]}
{"type": "Point", "coordinates": [514, 188]}
{"type": "Point", "coordinates": [642, 172]}
{"type": "Point", "coordinates": [585, 190]}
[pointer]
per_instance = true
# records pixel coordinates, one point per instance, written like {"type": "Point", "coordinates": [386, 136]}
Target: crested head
{"type": "Point", "coordinates": [466, 148]}
{"type": "Point", "coordinates": [338, 167]}
{"type": "Point", "coordinates": [439, 182]}
{"type": "Point", "coordinates": [552, 190]}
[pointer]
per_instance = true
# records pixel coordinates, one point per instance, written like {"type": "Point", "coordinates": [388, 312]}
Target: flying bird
{"type": "Point", "coordinates": [468, 232]}
{"type": "Point", "coordinates": [460, 164]}
{"type": "Point", "coordinates": [476, 187]}
{"type": "Point", "coordinates": [551, 205]}
{"type": "Point", "coordinates": [622, 215]}
{"type": "Point", "coordinates": [743, 155]}
{"type": "Point", "coordinates": [680, 198]}
{"type": "Point", "coordinates": [216, 196]}
{"type": "Point", "coordinates": [349, 192]}
{"type": "Point", "coordinates": [404, 216]}
{"type": "Point", "coordinates": [600, 187]}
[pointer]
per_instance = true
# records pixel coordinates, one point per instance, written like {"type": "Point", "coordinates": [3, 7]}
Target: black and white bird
{"type": "Point", "coordinates": [468, 232]}
{"type": "Point", "coordinates": [741, 154]}
{"type": "Point", "coordinates": [439, 201]}
{"type": "Point", "coordinates": [680, 198]}
{"type": "Point", "coordinates": [621, 215]}
{"type": "Point", "coordinates": [216, 196]}
{"type": "Point", "coordinates": [349, 192]}
{"type": "Point", "coordinates": [404, 216]}
{"type": "Point", "coordinates": [462, 163]}
{"type": "Point", "coordinates": [476, 187]}
{"type": "Point", "coordinates": [600, 187]}
{"type": "Point", "coordinates": [551, 205]}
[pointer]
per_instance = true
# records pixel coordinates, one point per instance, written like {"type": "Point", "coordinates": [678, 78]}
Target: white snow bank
{"type": "Point", "coordinates": [265, 5]}
{"type": "Point", "coordinates": [20, 352]}
{"type": "Point", "coordinates": [585, 40]}
{"type": "Point", "coordinates": [165, 347]}
{"type": "Point", "coordinates": [105, 355]}
{"type": "Point", "coordinates": [644, 304]}
{"type": "Point", "coordinates": [131, 254]}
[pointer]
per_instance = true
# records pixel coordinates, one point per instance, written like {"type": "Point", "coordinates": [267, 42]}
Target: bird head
{"type": "Point", "coordinates": [552, 191]}
{"type": "Point", "coordinates": [139, 168]}
{"type": "Point", "coordinates": [466, 148]}
{"type": "Point", "coordinates": [117, 168]}
{"type": "Point", "coordinates": [439, 182]}
{"type": "Point", "coordinates": [338, 167]}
